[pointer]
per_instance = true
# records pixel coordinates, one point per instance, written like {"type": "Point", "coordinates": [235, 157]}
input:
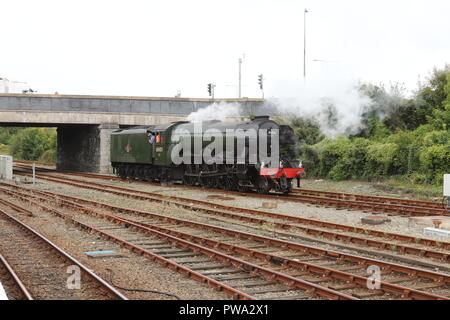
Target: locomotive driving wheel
{"type": "Point", "coordinates": [188, 180]}
{"type": "Point", "coordinates": [215, 180]}
{"type": "Point", "coordinates": [148, 174]}
{"type": "Point", "coordinates": [206, 181]}
{"type": "Point", "coordinates": [121, 171]}
{"type": "Point", "coordinates": [227, 183]}
{"type": "Point", "coordinates": [262, 185]}
{"type": "Point", "coordinates": [229, 179]}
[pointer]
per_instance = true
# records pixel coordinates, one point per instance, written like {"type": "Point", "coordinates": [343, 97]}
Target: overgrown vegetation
{"type": "Point", "coordinates": [407, 138]}
{"type": "Point", "coordinates": [31, 144]}
{"type": "Point", "coordinates": [4, 149]}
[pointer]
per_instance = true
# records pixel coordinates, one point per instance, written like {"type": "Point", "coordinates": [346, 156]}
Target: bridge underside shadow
{"type": "Point", "coordinates": [84, 148]}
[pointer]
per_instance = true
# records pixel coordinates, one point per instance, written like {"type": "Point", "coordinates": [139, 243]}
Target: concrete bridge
{"type": "Point", "coordinates": [84, 123]}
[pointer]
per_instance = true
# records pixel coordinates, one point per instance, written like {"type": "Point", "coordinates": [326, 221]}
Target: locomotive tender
{"type": "Point", "coordinates": [147, 153]}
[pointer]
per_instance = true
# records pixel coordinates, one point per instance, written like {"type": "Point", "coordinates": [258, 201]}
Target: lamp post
{"type": "Point", "coordinates": [240, 74]}
{"type": "Point", "coordinates": [240, 77]}
{"type": "Point", "coordinates": [328, 61]}
{"type": "Point", "coordinates": [304, 44]}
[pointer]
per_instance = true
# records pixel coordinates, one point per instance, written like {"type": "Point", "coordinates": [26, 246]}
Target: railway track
{"type": "Point", "coordinates": [338, 200]}
{"type": "Point", "coordinates": [40, 269]}
{"type": "Point", "coordinates": [329, 270]}
{"type": "Point", "coordinates": [30, 163]}
{"type": "Point", "coordinates": [376, 199]}
{"type": "Point", "coordinates": [14, 288]}
{"type": "Point", "coordinates": [370, 204]}
{"type": "Point", "coordinates": [384, 241]}
{"type": "Point", "coordinates": [215, 268]}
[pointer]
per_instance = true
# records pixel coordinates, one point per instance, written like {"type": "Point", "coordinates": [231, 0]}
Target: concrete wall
{"type": "Point", "coordinates": [104, 132]}
{"type": "Point", "coordinates": [56, 109]}
{"type": "Point", "coordinates": [112, 104]}
{"type": "Point", "coordinates": [56, 118]}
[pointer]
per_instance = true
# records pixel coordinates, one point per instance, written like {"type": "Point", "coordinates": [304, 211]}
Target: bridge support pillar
{"type": "Point", "coordinates": [84, 147]}
{"type": "Point", "coordinates": [105, 131]}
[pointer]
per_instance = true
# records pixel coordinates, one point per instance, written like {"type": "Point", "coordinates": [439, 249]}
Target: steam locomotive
{"type": "Point", "coordinates": [156, 153]}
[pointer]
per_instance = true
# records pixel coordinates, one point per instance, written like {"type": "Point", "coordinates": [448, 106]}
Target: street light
{"type": "Point", "coordinates": [240, 77]}
{"type": "Point", "coordinates": [304, 44]}
{"type": "Point", "coordinates": [327, 61]}
{"type": "Point", "coordinates": [240, 74]}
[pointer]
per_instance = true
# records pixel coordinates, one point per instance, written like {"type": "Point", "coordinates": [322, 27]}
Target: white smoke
{"type": "Point", "coordinates": [216, 111]}
{"type": "Point", "coordinates": [334, 102]}
{"type": "Point", "coordinates": [335, 114]}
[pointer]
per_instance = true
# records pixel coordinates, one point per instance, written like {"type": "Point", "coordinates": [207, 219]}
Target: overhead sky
{"type": "Point", "coordinates": [155, 48]}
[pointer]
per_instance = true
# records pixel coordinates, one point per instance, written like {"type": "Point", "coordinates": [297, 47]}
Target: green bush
{"type": "Point", "coordinates": [382, 159]}
{"type": "Point", "coordinates": [352, 165]}
{"type": "Point", "coordinates": [336, 159]}
{"type": "Point", "coordinates": [310, 160]}
{"type": "Point", "coordinates": [48, 156]}
{"type": "Point", "coordinates": [441, 137]}
{"type": "Point", "coordinates": [435, 162]}
{"type": "Point", "coordinates": [329, 152]}
{"type": "Point", "coordinates": [4, 149]}
{"type": "Point", "coordinates": [417, 178]}
{"type": "Point", "coordinates": [6, 134]}
{"type": "Point", "coordinates": [31, 143]}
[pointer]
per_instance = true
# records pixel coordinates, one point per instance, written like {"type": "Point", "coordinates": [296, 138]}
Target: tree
{"type": "Point", "coordinates": [6, 134]}
{"type": "Point", "coordinates": [31, 143]}
{"type": "Point", "coordinates": [307, 131]}
{"type": "Point", "coordinates": [434, 95]}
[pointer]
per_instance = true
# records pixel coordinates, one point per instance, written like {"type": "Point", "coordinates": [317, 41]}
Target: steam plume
{"type": "Point", "coordinates": [216, 111]}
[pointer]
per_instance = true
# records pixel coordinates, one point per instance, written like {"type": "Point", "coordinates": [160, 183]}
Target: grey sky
{"type": "Point", "coordinates": [154, 48]}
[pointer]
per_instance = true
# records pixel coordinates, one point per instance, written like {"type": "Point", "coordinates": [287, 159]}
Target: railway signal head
{"type": "Point", "coordinates": [260, 81]}
{"type": "Point", "coordinates": [210, 89]}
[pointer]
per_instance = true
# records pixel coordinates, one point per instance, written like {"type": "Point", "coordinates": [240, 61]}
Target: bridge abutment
{"type": "Point", "coordinates": [84, 147]}
{"type": "Point", "coordinates": [105, 131]}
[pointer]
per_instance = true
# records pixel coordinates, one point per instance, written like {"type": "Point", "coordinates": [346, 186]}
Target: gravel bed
{"type": "Point", "coordinates": [42, 270]}
{"type": "Point", "coordinates": [205, 218]}
{"type": "Point", "coordinates": [398, 224]}
{"type": "Point", "coordinates": [131, 270]}
{"type": "Point", "coordinates": [12, 291]}
{"type": "Point", "coordinates": [366, 188]}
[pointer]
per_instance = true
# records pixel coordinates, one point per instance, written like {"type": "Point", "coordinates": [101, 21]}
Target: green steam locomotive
{"type": "Point", "coordinates": [243, 156]}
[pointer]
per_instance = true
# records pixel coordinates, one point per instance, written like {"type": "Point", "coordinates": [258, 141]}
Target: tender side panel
{"type": "Point", "coordinates": [131, 148]}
